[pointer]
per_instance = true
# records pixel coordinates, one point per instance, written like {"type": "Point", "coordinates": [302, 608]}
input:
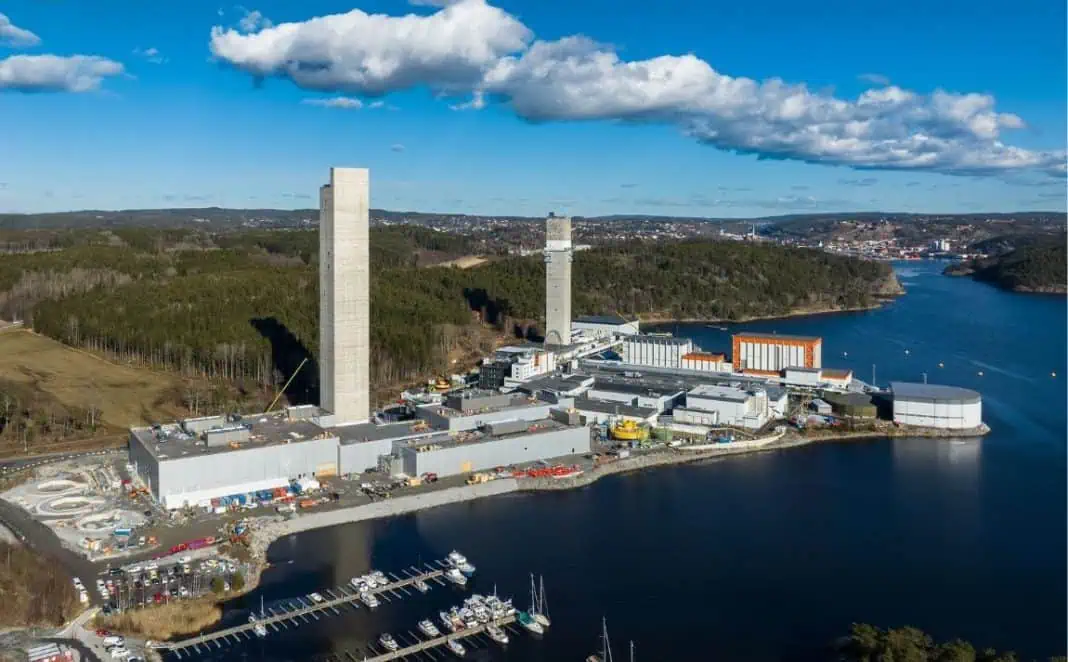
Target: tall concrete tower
{"type": "Point", "coordinates": [345, 295]}
{"type": "Point", "coordinates": [557, 280]}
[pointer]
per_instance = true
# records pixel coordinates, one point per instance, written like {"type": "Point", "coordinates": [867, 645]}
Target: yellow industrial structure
{"type": "Point", "coordinates": [629, 431]}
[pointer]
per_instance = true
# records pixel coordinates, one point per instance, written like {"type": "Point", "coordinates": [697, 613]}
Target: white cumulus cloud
{"type": "Point", "coordinates": [374, 54]}
{"type": "Point", "coordinates": [347, 103]}
{"type": "Point", "coordinates": [481, 54]}
{"type": "Point", "coordinates": [14, 36]}
{"type": "Point", "coordinates": [54, 73]}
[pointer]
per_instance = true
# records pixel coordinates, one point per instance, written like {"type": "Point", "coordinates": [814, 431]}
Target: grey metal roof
{"type": "Point", "coordinates": [607, 407]}
{"type": "Point", "coordinates": [602, 319]}
{"type": "Point", "coordinates": [630, 388]}
{"type": "Point", "coordinates": [802, 369]}
{"type": "Point", "coordinates": [938, 392]}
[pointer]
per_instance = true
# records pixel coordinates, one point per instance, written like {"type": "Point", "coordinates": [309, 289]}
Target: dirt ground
{"type": "Point", "coordinates": [465, 262]}
{"type": "Point", "coordinates": [124, 395]}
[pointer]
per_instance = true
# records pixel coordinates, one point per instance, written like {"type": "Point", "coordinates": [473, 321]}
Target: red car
{"type": "Point", "coordinates": [102, 633]}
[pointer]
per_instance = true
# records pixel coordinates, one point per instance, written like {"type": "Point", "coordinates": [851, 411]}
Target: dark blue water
{"type": "Point", "coordinates": [772, 556]}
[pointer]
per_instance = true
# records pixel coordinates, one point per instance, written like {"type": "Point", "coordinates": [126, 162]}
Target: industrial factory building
{"type": "Point", "coordinates": [935, 406]}
{"type": "Point", "coordinates": [470, 410]}
{"type": "Point", "coordinates": [513, 442]}
{"type": "Point", "coordinates": [189, 463]}
{"type": "Point", "coordinates": [512, 365]}
{"type": "Point", "coordinates": [706, 362]}
{"type": "Point", "coordinates": [605, 325]}
{"type": "Point", "coordinates": [656, 351]}
{"type": "Point", "coordinates": [768, 353]}
{"type": "Point", "coordinates": [728, 405]}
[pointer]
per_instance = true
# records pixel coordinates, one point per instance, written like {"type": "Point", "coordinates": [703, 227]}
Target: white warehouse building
{"type": "Point", "coordinates": [726, 405]}
{"type": "Point", "coordinates": [936, 406]}
{"type": "Point", "coordinates": [656, 351]}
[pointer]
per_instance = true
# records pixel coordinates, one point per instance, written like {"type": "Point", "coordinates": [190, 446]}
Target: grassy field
{"type": "Point", "coordinates": [161, 622]}
{"type": "Point", "coordinates": [124, 395]}
{"type": "Point", "coordinates": [50, 383]}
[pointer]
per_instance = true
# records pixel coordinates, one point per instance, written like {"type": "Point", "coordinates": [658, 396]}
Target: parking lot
{"type": "Point", "coordinates": [155, 582]}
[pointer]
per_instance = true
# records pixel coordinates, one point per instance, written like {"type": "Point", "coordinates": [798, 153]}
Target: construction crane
{"type": "Point", "coordinates": [288, 382]}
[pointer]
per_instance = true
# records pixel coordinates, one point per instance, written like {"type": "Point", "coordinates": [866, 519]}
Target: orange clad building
{"type": "Point", "coordinates": [770, 353]}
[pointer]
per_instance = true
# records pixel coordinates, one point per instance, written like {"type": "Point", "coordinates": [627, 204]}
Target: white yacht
{"type": "Point", "coordinates": [421, 586]}
{"type": "Point", "coordinates": [369, 599]}
{"type": "Point", "coordinates": [388, 642]}
{"type": "Point", "coordinates": [531, 624]}
{"type": "Point", "coordinates": [446, 620]}
{"type": "Point", "coordinates": [429, 629]}
{"type": "Point", "coordinates": [456, 558]}
{"type": "Point", "coordinates": [465, 568]}
{"type": "Point", "coordinates": [496, 634]}
{"type": "Point", "coordinates": [457, 648]}
{"type": "Point", "coordinates": [260, 629]}
{"type": "Point", "coordinates": [456, 577]}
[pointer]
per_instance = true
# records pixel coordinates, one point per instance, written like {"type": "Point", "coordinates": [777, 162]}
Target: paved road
{"type": "Point", "coordinates": [41, 539]}
{"type": "Point", "coordinates": [16, 464]}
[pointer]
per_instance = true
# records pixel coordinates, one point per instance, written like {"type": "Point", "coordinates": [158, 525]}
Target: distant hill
{"type": "Point", "coordinates": [1027, 264]}
{"type": "Point", "coordinates": [219, 218]}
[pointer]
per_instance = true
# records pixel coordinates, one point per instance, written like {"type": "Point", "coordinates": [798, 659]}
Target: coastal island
{"type": "Point", "coordinates": [1035, 264]}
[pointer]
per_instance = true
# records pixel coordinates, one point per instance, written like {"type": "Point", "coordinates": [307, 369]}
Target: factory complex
{"type": "Point", "coordinates": [530, 402]}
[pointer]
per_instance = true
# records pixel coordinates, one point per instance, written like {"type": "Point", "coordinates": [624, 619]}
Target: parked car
{"type": "Point", "coordinates": [114, 640]}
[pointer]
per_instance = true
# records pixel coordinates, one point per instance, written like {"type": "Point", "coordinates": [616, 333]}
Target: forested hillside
{"type": "Point", "coordinates": [243, 307]}
{"type": "Point", "coordinates": [1035, 265]}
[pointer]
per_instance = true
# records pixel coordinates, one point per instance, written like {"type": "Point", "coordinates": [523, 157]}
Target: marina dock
{"type": "Point", "coordinates": [428, 644]}
{"type": "Point", "coordinates": [303, 609]}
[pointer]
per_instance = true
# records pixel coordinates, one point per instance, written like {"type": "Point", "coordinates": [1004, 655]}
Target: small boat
{"type": "Point", "coordinates": [457, 648]}
{"type": "Point", "coordinates": [358, 584]}
{"type": "Point", "coordinates": [260, 629]}
{"type": "Point", "coordinates": [542, 613]}
{"type": "Point", "coordinates": [446, 620]}
{"type": "Point", "coordinates": [531, 624]}
{"type": "Point", "coordinates": [429, 629]}
{"type": "Point", "coordinates": [606, 649]}
{"type": "Point", "coordinates": [421, 586]}
{"type": "Point", "coordinates": [466, 568]}
{"type": "Point", "coordinates": [380, 577]}
{"type": "Point", "coordinates": [496, 634]}
{"type": "Point", "coordinates": [369, 599]}
{"type": "Point", "coordinates": [456, 558]}
{"type": "Point", "coordinates": [388, 642]}
{"type": "Point", "coordinates": [456, 577]}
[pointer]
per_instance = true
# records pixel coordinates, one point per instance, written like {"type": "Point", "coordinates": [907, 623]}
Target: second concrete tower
{"type": "Point", "coordinates": [557, 280]}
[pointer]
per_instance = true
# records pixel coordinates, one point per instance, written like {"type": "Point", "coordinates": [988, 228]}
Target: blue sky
{"type": "Point", "coordinates": [524, 107]}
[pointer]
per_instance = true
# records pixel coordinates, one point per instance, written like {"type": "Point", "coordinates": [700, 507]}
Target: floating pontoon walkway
{"type": "Point", "coordinates": [426, 645]}
{"type": "Point", "coordinates": [304, 609]}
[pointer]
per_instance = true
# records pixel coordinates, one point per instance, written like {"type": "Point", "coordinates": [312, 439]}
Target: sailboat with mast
{"type": "Point", "coordinates": [529, 619]}
{"type": "Point", "coordinates": [541, 614]}
{"type": "Point", "coordinates": [606, 649]}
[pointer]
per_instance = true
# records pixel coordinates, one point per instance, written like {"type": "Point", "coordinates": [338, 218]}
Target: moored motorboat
{"type": "Point", "coordinates": [466, 568]}
{"type": "Point", "coordinates": [457, 648]}
{"type": "Point", "coordinates": [388, 642]}
{"type": "Point", "coordinates": [456, 577]}
{"type": "Point", "coordinates": [496, 634]}
{"type": "Point", "coordinates": [456, 558]}
{"type": "Point", "coordinates": [428, 628]}
{"type": "Point", "coordinates": [260, 629]}
{"type": "Point", "coordinates": [421, 586]}
{"type": "Point", "coordinates": [446, 620]}
{"type": "Point", "coordinates": [369, 599]}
